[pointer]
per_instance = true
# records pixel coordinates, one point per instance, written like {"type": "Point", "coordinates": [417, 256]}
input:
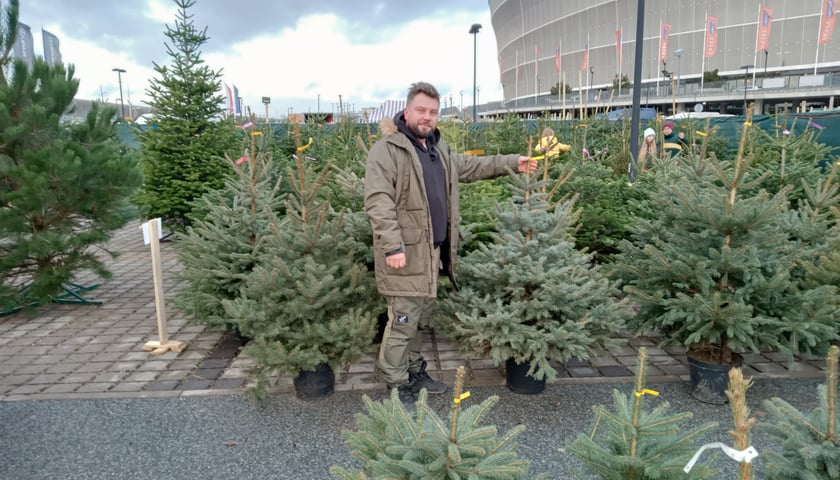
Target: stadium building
{"type": "Point", "coordinates": [771, 55]}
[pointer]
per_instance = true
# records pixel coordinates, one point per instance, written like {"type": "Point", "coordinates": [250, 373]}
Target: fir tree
{"type": "Point", "coordinates": [63, 187]}
{"type": "Point", "coordinates": [395, 445]}
{"type": "Point", "coordinates": [809, 447]}
{"type": "Point", "coordinates": [222, 248]}
{"type": "Point", "coordinates": [182, 157]}
{"type": "Point", "coordinates": [530, 295]}
{"type": "Point", "coordinates": [634, 442]}
{"type": "Point", "coordinates": [720, 267]}
{"type": "Point", "coordinates": [308, 301]}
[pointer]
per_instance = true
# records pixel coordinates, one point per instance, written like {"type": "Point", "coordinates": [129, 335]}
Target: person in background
{"type": "Point", "coordinates": [413, 204]}
{"type": "Point", "coordinates": [550, 146]}
{"type": "Point", "coordinates": [672, 141]}
{"type": "Point", "coordinates": [647, 151]}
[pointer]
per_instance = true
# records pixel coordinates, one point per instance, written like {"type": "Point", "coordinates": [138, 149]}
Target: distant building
{"type": "Point", "coordinates": [779, 53]}
{"type": "Point", "coordinates": [81, 108]}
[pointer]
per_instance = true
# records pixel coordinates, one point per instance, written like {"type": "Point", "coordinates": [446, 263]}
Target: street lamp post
{"type": "Point", "coordinates": [746, 74]}
{"type": "Point", "coordinates": [474, 31]}
{"type": "Point", "coordinates": [591, 76]}
{"type": "Point", "coordinates": [462, 102]}
{"type": "Point", "coordinates": [120, 71]}
{"type": "Point", "coordinates": [679, 53]}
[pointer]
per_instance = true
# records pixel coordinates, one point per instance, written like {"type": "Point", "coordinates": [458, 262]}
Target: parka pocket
{"type": "Point", "coordinates": [416, 253]}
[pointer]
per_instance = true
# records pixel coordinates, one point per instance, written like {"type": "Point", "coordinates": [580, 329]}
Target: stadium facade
{"type": "Point", "coordinates": [770, 54]}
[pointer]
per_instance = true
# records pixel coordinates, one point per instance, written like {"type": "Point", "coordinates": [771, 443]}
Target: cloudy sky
{"type": "Point", "coordinates": [367, 51]}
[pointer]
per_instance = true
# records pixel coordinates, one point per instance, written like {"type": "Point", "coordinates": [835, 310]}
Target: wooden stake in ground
{"type": "Point", "coordinates": [163, 345]}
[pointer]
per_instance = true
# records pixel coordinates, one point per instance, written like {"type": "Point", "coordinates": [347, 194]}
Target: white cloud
{"type": "Point", "coordinates": [317, 57]}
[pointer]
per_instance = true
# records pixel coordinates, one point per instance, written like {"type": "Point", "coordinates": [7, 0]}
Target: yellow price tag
{"type": "Point", "coordinates": [463, 396]}
{"type": "Point", "coordinates": [702, 134]}
{"type": "Point", "coordinates": [538, 157]}
{"type": "Point", "coordinates": [749, 124]}
{"type": "Point", "coordinates": [304, 147]}
{"type": "Point", "coordinates": [647, 391]}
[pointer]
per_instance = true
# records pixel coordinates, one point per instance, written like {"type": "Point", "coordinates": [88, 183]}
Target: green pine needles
{"type": "Point", "coordinates": [64, 187]}
{"type": "Point", "coordinates": [183, 153]}
{"type": "Point", "coordinates": [395, 445]}
{"type": "Point", "coordinates": [720, 267]}
{"type": "Point", "coordinates": [530, 295]}
{"type": "Point", "coordinates": [221, 249]}
{"type": "Point", "coordinates": [308, 301]}
{"type": "Point", "coordinates": [638, 443]}
{"type": "Point", "coordinates": [809, 446]}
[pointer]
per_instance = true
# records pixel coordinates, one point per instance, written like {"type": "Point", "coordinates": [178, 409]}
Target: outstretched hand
{"type": "Point", "coordinates": [527, 165]}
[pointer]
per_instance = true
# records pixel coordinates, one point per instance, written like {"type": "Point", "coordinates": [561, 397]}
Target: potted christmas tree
{"type": "Point", "coordinates": [530, 297]}
{"type": "Point", "coordinates": [720, 268]}
{"type": "Point", "coordinates": [808, 445]}
{"type": "Point", "coordinates": [394, 444]}
{"type": "Point", "coordinates": [307, 304]}
{"type": "Point", "coordinates": [632, 441]}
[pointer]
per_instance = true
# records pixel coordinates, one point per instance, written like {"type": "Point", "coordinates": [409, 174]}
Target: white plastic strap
{"type": "Point", "coordinates": [745, 455]}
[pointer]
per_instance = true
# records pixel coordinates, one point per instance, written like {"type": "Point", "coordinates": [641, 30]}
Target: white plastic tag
{"type": "Point", "coordinates": [746, 455]}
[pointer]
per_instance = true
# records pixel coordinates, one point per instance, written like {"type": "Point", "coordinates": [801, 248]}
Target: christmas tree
{"type": "Point", "coordinates": [183, 153]}
{"type": "Point", "coordinates": [634, 442]}
{"type": "Point", "coordinates": [63, 187]}
{"type": "Point", "coordinates": [721, 266]}
{"type": "Point", "coordinates": [808, 443]}
{"type": "Point", "coordinates": [308, 301]}
{"type": "Point", "coordinates": [395, 445]}
{"type": "Point", "coordinates": [531, 295]}
{"type": "Point", "coordinates": [222, 247]}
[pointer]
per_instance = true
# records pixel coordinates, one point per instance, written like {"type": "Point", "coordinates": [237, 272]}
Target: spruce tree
{"type": "Point", "coordinates": [182, 155]}
{"type": "Point", "coordinates": [308, 301]}
{"type": "Point", "coordinates": [221, 248]}
{"type": "Point", "coordinates": [531, 295]}
{"type": "Point", "coordinates": [63, 187]}
{"type": "Point", "coordinates": [395, 445]}
{"type": "Point", "coordinates": [808, 446]}
{"type": "Point", "coordinates": [633, 441]}
{"type": "Point", "coordinates": [720, 267]}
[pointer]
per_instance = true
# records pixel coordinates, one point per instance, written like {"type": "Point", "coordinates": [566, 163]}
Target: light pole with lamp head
{"type": "Point", "coordinates": [120, 71]}
{"type": "Point", "coordinates": [474, 31]}
{"type": "Point", "coordinates": [678, 53]}
{"type": "Point", "coordinates": [746, 74]}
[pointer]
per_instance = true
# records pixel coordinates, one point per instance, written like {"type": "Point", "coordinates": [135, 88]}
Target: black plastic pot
{"type": "Point", "coordinates": [518, 380]}
{"type": "Point", "coordinates": [710, 380]}
{"type": "Point", "coordinates": [314, 384]}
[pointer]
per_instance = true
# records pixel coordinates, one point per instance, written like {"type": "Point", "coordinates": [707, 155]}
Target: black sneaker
{"type": "Point", "coordinates": [407, 395]}
{"type": "Point", "coordinates": [421, 380]}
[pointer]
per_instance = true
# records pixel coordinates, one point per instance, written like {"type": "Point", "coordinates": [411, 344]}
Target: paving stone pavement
{"type": "Point", "coordinates": [61, 351]}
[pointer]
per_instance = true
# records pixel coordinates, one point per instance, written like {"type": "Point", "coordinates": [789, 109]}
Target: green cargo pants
{"type": "Point", "coordinates": [399, 352]}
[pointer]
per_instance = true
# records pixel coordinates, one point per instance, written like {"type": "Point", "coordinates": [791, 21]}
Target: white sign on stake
{"type": "Point", "coordinates": [152, 235]}
{"type": "Point", "coordinates": [145, 228]}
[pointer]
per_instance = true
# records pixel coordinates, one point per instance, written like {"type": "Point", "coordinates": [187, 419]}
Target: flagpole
{"type": "Point", "coordinates": [536, 73]}
{"type": "Point", "coordinates": [658, 59]}
{"type": "Point", "coordinates": [819, 31]}
{"type": "Point", "coordinates": [516, 89]}
{"type": "Point", "coordinates": [620, 35]}
{"type": "Point", "coordinates": [757, 33]}
{"type": "Point", "coordinates": [703, 58]}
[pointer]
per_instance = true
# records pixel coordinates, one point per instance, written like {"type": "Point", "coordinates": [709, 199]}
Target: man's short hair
{"type": "Point", "coordinates": [422, 87]}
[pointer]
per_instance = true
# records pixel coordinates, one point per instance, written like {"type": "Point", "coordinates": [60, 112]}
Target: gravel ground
{"type": "Point", "coordinates": [227, 436]}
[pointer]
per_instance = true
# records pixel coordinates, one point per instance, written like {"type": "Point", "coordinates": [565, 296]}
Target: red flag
{"type": "Point", "coordinates": [765, 21]}
{"type": "Point", "coordinates": [230, 98]}
{"type": "Point", "coordinates": [557, 58]}
{"type": "Point", "coordinates": [585, 65]}
{"type": "Point", "coordinates": [827, 19]}
{"type": "Point", "coordinates": [665, 32]}
{"type": "Point", "coordinates": [710, 48]}
{"type": "Point", "coordinates": [618, 36]}
{"type": "Point", "coordinates": [501, 70]}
